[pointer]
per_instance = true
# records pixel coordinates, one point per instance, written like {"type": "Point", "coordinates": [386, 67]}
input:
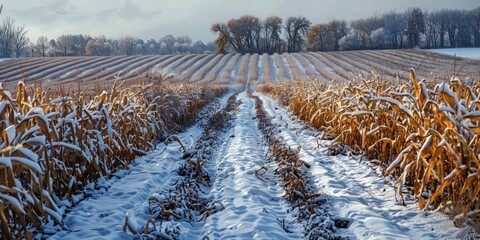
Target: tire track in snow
{"type": "Point", "coordinates": [357, 192]}
{"type": "Point", "coordinates": [252, 206]}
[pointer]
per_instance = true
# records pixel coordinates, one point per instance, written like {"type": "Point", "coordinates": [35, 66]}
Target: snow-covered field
{"type": "Point", "coordinates": [253, 207]}
{"type": "Point", "coordinates": [459, 52]}
{"type": "Point", "coordinates": [244, 196]}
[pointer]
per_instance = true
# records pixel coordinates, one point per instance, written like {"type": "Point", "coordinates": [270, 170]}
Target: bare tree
{"type": "Point", "coordinates": [99, 46]}
{"type": "Point", "coordinates": [415, 26]}
{"type": "Point", "coordinates": [20, 40]}
{"type": "Point", "coordinates": [65, 44]}
{"type": "Point", "coordinates": [223, 39]}
{"type": "Point", "coordinates": [317, 36]}
{"type": "Point", "coordinates": [394, 26]}
{"type": "Point", "coordinates": [272, 31]}
{"type": "Point", "coordinates": [127, 45]}
{"type": "Point", "coordinates": [42, 45]}
{"type": "Point", "coordinates": [475, 24]}
{"type": "Point", "coordinates": [296, 29]}
{"type": "Point", "coordinates": [7, 35]}
{"type": "Point", "coordinates": [242, 34]}
{"type": "Point", "coordinates": [338, 28]}
{"type": "Point", "coordinates": [168, 44]}
{"type": "Point", "coordinates": [364, 28]}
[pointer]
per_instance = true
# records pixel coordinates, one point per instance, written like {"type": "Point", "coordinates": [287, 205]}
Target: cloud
{"type": "Point", "coordinates": [154, 19]}
{"type": "Point", "coordinates": [129, 11]}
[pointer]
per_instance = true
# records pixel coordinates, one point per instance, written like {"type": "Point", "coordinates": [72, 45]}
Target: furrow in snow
{"type": "Point", "coordinates": [254, 207]}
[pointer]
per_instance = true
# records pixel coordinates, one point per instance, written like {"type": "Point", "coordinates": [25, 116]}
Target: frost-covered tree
{"type": "Point", "coordinates": [65, 44]}
{"type": "Point", "coordinates": [377, 38]}
{"type": "Point", "coordinates": [7, 34]}
{"type": "Point", "coordinates": [127, 45]}
{"type": "Point", "coordinates": [99, 46]}
{"type": "Point", "coordinates": [350, 41]}
{"type": "Point", "coordinates": [42, 45]}
{"type": "Point", "coordinates": [415, 26]}
{"type": "Point", "coordinates": [394, 27]}
{"type": "Point", "coordinates": [20, 40]}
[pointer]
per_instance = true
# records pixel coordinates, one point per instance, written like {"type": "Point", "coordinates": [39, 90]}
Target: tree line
{"type": "Point", "coordinates": [15, 43]}
{"type": "Point", "coordinates": [392, 30]}
{"type": "Point", "coordinates": [85, 45]}
{"type": "Point", "coordinates": [249, 34]}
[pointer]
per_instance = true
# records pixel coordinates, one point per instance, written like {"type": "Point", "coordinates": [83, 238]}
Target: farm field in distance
{"type": "Point", "coordinates": [380, 144]}
{"type": "Point", "coordinates": [230, 69]}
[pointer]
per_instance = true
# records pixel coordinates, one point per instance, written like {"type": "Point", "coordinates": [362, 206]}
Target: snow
{"type": "Point", "coordinates": [288, 70]}
{"type": "Point", "coordinates": [260, 69]}
{"type": "Point", "coordinates": [222, 69]}
{"type": "Point", "coordinates": [233, 74]}
{"type": "Point", "coordinates": [473, 53]}
{"type": "Point", "coordinates": [273, 68]}
{"type": "Point", "coordinates": [253, 206]}
{"type": "Point", "coordinates": [300, 66]}
{"type": "Point", "coordinates": [357, 190]}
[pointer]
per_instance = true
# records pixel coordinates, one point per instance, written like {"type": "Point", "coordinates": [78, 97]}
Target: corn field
{"type": "Point", "coordinates": [426, 135]}
{"type": "Point", "coordinates": [53, 145]}
{"type": "Point", "coordinates": [70, 124]}
{"type": "Point", "coordinates": [232, 68]}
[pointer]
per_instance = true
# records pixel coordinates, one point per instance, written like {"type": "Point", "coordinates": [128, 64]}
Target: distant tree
{"type": "Point", "coordinates": [199, 47]}
{"type": "Point", "coordinates": [153, 46]}
{"type": "Point", "coordinates": [415, 26]}
{"type": "Point", "coordinates": [183, 44]}
{"type": "Point", "coordinates": [338, 29]}
{"type": "Point", "coordinates": [242, 34]}
{"type": "Point", "coordinates": [127, 46]}
{"type": "Point", "coordinates": [52, 48]}
{"type": "Point", "coordinates": [99, 46]}
{"type": "Point", "coordinates": [317, 36]}
{"type": "Point", "coordinates": [223, 39]}
{"type": "Point", "coordinates": [20, 40]}
{"type": "Point", "coordinates": [349, 41]}
{"type": "Point", "coordinates": [32, 48]}
{"type": "Point", "coordinates": [395, 25]}
{"type": "Point", "coordinates": [296, 29]}
{"type": "Point", "coordinates": [272, 30]}
{"type": "Point", "coordinates": [7, 35]}
{"type": "Point", "coordinates": [364, 28]}
{"type": "Point", "coordinates": [42, 45]}
{"type": "Point", "coordinates": [475, 24]}
{"type": "Point", "coordinates": [377, 38]}
{"type": "Point", "coordinates": [79, 44]}
{"type": "Point", "coordinates": [168, 44]}
{"type": "Point", "coordinates": [65, 44]}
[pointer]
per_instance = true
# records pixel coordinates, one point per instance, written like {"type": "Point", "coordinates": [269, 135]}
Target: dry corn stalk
{"type": "Point", "coordinates": [426, 135]}
{"type": "Point", "coordinates": [52, 147]}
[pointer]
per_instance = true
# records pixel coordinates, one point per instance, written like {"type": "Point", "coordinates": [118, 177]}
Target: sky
{"type": "Point", "coordinates": [149, 19]}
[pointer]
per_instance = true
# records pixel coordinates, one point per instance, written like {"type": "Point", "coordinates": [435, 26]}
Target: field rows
{"type": "Point", "coordinates": [233, 68]}
{"type": "Point", "coordinates": [247, 167]}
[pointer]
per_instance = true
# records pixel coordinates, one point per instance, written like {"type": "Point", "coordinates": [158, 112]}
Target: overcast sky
{"type": "Point", "coordinates": [156, 18]}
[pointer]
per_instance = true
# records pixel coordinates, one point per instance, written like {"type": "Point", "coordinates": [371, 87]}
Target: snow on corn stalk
{"type": "Point", "coordinates": [52, 147]}
{"type": "Point", "coordinates": [427, 136]}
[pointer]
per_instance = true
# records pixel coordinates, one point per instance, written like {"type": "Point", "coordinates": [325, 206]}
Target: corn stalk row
{"type": "Point", "coordinates": [53, 146]}
{"type": "Point", "coordinates": [425, 135]}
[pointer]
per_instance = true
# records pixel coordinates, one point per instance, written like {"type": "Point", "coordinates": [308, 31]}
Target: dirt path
{"type": "Point", "coordinates": [254, 206]}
